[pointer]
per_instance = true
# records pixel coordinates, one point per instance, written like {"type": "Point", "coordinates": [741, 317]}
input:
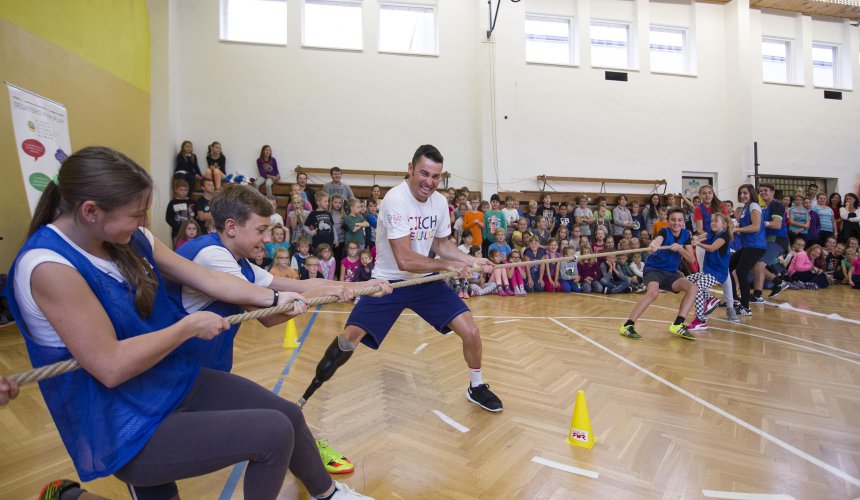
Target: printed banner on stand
{"type": "Point", "coordinates": [42, 138]}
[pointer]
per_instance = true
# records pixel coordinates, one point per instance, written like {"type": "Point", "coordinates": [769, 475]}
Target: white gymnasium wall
{"type": "Point", "coordinates": [570, 121]}
{"type": "Point", "coordinates": [369, 110]}
{"type": "Point", "coordinates": [325, 107]}
{"type": "Point", "coordinates": [798, 131]}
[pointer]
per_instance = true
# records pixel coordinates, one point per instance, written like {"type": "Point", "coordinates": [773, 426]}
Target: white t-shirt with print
{"type": "Point", "coordinates": [400, 214]}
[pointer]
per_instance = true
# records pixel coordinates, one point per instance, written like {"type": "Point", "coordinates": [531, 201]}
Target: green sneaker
{"type": "Point", "coordinates": [681, 331]}
{"type": "Point", "coordinates": [629, 332]}
{"type": "Point", "coordinates": [334, 461]}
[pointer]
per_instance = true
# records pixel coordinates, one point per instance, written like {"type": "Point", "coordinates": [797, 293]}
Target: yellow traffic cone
{"type": "Point", "coordinates": [291, 336]}
{"type": "Point", "coordinates": [580, 427]}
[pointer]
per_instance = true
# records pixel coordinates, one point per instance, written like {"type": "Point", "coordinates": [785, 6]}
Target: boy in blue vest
{"type": "Point", "coordinates": [661, 273]}
{"type": "Point", "coordinates": [241, 218]}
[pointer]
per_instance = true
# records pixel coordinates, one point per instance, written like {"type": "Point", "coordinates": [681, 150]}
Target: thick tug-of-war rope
{"type": "Point", "coordinates": [52, 370]}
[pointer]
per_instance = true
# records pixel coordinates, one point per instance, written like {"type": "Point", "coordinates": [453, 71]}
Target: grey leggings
{"type": "Point", "coordinates": [224, 420]}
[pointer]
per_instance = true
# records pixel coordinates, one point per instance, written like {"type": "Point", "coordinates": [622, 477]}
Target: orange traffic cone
{"type": "Point", "coordinates": [291, 336]}
{"type": "Point", "coordinates": [580, 427]}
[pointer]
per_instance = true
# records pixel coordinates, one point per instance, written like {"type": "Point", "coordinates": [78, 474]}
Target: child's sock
{"type": "Point", "coordinates": [475, 377]}
{"type": "Point", "coordinates": [679, 320]}
{"type": "Point", "coordinates": [629, 322]}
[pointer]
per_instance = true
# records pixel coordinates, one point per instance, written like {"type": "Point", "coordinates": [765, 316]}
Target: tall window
{"type": "Point", "coordinates": [548, 40]}
{"type": "Point", "coordinates": [332, 24]}
{"type": "Point", "coordinates": [776, 60]}
{"type": "Point", "coordinates": [668, 48]}
{"type": "Point", "coordinates": [409, 29]}
{"type": "Point", "coordinates": [610, 44]}
{"type": "Point", "coordinates": [824, 67]}
{"type": "Point", "coordinates": [254, 21]}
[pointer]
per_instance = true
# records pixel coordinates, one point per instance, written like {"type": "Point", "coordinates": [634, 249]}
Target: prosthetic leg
{"type": "Point", "coordinates": [338, 353]}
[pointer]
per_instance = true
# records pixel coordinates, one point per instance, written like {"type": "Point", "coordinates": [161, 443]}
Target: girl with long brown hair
{"type": "Point", "coordinates": [89, 284]}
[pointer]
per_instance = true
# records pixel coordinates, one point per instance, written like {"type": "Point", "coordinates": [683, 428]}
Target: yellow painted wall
{"type": "Point", "coordinates": [103, 108]}
{"type": "Point", "coordinates": [110, 34]}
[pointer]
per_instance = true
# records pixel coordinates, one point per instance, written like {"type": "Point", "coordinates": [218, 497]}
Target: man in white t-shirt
{"type": "Point", "coordinates": [413, 220]}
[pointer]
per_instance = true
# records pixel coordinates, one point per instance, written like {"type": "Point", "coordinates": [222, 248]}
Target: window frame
{"type": "Point", "coordinates": [426, 5]}
{"type": "Point", "coordinates": [631, 55]}
{"type": "Point", "coordinates": [572, 41]}
{"type": "Point", "coordinates": [223, 14]}
{"type": "Point", "coordinates": [789, 58]}
{"type": "Point", "coordinates": [304, 42]}
{"type": "Point", "coordinates": [834, 47]}
{"type": "Point", "coordinates": [686, 50]}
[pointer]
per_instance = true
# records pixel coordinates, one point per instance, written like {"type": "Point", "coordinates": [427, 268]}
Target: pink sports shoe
{"type": "Point", "coordinates": [697, 325]}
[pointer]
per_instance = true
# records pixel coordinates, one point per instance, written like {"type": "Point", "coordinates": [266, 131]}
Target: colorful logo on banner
{"type": "Point", "coordinates": [42, 135]}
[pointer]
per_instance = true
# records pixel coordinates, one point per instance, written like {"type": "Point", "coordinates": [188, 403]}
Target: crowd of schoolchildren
{"type": "Point", "coordinates": [331, 234]}
{"type": "Point", "coordinates": [327, 234]}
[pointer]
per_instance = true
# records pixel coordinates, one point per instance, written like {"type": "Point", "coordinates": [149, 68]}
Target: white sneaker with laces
{"type": "Point", "coordinates": [344, 492]}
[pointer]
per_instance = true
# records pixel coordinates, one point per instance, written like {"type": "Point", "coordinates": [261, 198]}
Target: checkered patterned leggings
{"type": "Point", "coordinates": [704, 281]}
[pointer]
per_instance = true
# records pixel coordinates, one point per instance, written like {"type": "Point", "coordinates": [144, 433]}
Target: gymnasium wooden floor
{"type": "Point", "coordinates": [771, 406]}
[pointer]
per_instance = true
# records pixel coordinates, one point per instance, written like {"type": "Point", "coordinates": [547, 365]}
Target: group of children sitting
{"type": "Point", "coordinates": [813, 266]}
{"type": "Point", "coordinates": [611, 274]}
{"type": "Point", "coordinates": [343, 242]}
{"type": "Point", "coordinates": [551, 231]}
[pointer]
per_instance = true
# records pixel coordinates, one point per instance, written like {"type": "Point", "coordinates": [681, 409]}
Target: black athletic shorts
{"type": "Point", "coordinates": [665, 278]}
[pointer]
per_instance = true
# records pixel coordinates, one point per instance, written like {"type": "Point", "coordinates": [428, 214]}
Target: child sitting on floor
{"type": "Point", "coordinates": [589, 271]}
{"type": "Point", "coordinates": [281, 267]}
{"type": "Point", "coordinates": [365, 270]}
{"type": "Point", "coordinates": [551, 270]}
{"type": "Point", "coordinates": [854, 271]}
{"type": "Point", "coordinates": [188, 230]}
{"type": "Point", "coordinates": [478, 285]}
{"type": "Point", "coordinates": [515, 274]}
{"type": "Point", "coordinates": [327, 261]}
{"type": "Point", "coordinates": [499, 276]}
{"type": "Point", "coordinates": [568, 275]}
{"type": "Point", "coordinates": [612, 279]}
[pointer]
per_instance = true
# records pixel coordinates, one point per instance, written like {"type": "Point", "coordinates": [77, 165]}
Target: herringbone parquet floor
{"type": "Point", "coordinates": [771, 406]}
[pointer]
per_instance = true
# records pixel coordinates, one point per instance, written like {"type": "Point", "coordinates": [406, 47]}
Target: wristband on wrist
{"type": "Point", "coordinates": [275, 297]}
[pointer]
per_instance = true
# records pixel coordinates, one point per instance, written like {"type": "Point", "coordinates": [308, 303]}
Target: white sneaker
{"type": "Point", "coordinates": [344, 492]}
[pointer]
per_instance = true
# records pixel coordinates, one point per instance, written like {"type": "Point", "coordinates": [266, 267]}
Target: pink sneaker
{"type": "Point", "coordinates": [697, 325]}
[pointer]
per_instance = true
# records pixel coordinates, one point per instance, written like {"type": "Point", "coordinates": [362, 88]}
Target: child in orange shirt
{"type": "Point", "coordinates": [473, 221]}
{"type": "Point", "coordinates": [662, 222]}
{"type": "Point", "coordinates": [281, 267]}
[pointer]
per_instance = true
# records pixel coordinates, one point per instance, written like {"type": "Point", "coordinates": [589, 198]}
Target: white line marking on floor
{"type": "Point", "coordinates": [754, 327]}
{"type": "Point", "coordinates": [450, 421]}
{"type": "Point", "coordinates": [734, 495]}
{"type": "Point", "coordinates": [566, 468]}
{"type": "Point", "coordinates": [419, 348]}
{"type": "Point", "coordinates": [505, 321]}
{"type": "Point", "coordinates": [769, 437]}
{"type": "Point", "coordinates": [737, 332]}
{"type": "Point", "coordinates": [789, 307]}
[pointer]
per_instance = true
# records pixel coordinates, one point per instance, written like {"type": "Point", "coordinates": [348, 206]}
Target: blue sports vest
{"type": "Point", "coordinates": [717, 263]}
{"type": "Point", "coordinates": [767, 215]}
{"type": "Point", "coordinates": [667, 260]}
{"type": "Point", "coordinates": [102, 428]}
{"type": "Point", "coordinates": [752, 240]}
{"type": "Point", "coordinates": [217, 353]}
